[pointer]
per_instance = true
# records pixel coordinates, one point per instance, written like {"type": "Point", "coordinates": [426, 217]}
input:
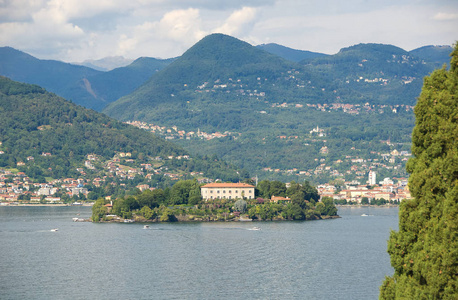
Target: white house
{"type": "Point", "coordinates": [227, 191]}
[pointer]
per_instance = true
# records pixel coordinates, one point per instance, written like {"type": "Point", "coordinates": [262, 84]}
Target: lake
{"type": "Point", "coordinates": [342, 258]}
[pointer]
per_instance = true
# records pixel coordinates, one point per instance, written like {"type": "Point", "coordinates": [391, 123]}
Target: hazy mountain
{"type": "Point", "coordinates": [289, 53]}
{"type": "Point", "coordinates": [106, 63]}
{"type": "Point", "coordinates": [82, 85]}
{"type": "Point", "coordinates": [112, 85]}
{"type": "Point", "coordinates": [437, 54]}
{"type": "Point", "coordinates": [64, 79]}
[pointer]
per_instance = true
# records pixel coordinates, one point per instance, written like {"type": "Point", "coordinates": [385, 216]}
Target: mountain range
{"type": "Point", "coordinates": [221, 70]}
{"type": "Point", "coordinates": [263, 100]}
{"type": "Point", "coordinates": [82, 85]}
{"type": "Point", "coordinates": [106, 63]}
{"type": "Point", "coordinates": [96, 89]}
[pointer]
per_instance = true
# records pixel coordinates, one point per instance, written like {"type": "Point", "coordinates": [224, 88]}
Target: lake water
{"type": "Point", "coordinates": [327, 259]}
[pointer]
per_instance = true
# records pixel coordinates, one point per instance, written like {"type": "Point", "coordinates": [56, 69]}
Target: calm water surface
{"type": "Point", "coordinates": [328, 259]}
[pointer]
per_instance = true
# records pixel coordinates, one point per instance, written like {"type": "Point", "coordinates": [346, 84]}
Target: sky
{"type": "Point", "coordinates": [76, 30]}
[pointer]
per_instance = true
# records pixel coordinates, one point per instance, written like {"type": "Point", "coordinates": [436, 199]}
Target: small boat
{"type": "Point", "coordinates": [255, 228]}
{"type": "Point", "coordinates": [364, 215]}
{"type": "Point", "coordinates": [129, 221]}
{"type": "Point", "coordinates": [146, 227]}
{"type": "Point", "coordinates": [54, 229]}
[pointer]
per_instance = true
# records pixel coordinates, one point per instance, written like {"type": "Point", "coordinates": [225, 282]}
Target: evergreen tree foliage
{"type": "Point", "coordinates": [424, 253]}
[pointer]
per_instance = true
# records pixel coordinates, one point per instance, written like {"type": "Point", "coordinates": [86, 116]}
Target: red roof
{"type": "Point", "coordinates": [228, 185]}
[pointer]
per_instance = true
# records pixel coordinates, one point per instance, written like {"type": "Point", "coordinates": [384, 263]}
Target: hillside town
{"type": "Point", "coordinates": [16, 188]}
{"type": "Point", "coordinates": [353, 164]}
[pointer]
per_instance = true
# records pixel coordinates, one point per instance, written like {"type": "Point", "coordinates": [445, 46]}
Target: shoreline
{"type": "Point", "coordinates": [184, 220]}
{"type": "Point", "coordinates": [7, 204]}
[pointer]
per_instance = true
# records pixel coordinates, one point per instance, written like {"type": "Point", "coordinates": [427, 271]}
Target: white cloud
{"type": "Point", "coordinates": [407, 26]}
{"type": "Point", "coordinates": [445, 16]}
{"type": "Point", "coordinates": [181, 25]}
{"type": "Point", "coordinates": [75, 30]}
{"type": "Point", "coordinates": [238, 21]}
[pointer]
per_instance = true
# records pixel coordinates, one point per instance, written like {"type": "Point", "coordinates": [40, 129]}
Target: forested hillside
{"type": "Point", "coordinates": [47, 136]}
{"type": "Point", "coordinates": [266, 107]}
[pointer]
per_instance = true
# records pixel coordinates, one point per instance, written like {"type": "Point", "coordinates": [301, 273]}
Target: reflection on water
{"type": "Point", "coordinates": [328, 259]}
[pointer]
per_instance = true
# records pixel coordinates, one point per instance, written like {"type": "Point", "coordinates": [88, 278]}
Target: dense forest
{"type": "Point", "coordinates": [424, 252]}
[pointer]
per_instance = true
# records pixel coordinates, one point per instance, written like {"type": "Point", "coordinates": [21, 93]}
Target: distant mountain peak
{"type": "Point", "coordinates": [107, 63]}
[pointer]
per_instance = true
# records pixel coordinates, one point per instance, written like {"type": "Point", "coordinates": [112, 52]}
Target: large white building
{"type": "Point", "coordinates": [227, 191]}
{"type": "Point", "coordinates": [372, 178]}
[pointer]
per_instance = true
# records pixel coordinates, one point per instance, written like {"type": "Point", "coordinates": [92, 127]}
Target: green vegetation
{"type": "Point", "coordinates": [183, 202]}
{"type": "Point", "coordinates": [33, 122]}
{"type": "Point", "coordinates": [225, 85]}
{"type": "Point", "coordinates": [288, 53]}
{"type": "Point", "coordinates": [424, 253]}
{"type": "Point", "coordinates": [45, 136]}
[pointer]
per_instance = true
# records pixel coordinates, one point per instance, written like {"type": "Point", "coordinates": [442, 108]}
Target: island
{"type": "Point", "coordinates": [189, 201]}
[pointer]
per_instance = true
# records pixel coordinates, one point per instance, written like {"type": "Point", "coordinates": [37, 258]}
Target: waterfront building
{"type": "Point", "coordinates": [227, 191]}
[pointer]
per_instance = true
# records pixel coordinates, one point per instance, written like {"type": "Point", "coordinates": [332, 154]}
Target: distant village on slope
{"type": "Point", "coordinates": [16, 188]}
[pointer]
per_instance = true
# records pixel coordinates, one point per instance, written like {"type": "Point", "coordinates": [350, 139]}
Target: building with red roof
{"type": "Point", "coordinates": [227, 191]}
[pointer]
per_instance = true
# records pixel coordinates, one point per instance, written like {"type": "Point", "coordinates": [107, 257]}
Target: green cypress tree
{"type": "Point", "coordinates": [424, 252]}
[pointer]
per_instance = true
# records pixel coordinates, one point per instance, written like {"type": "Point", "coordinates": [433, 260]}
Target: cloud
{"type": "Point", "coordinates": [75, 30]}
{"type": "Point", "coordinates": [238, 21]}
{"type": "Point", "coordinates": [445, 17]}
{"type": "Point", "coordinates": [181, 25]}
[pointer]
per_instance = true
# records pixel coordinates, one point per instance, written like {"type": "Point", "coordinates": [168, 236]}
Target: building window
{"type": "Point", "coordinates": [217, 192]}
{"type": "Point", "coordinates": [224, 191]}
{"type": "Point", "coordinates": [211, 192]}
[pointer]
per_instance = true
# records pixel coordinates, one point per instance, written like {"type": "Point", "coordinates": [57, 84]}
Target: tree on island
{"type": "Point", "coordinates": [424, 252]}
{"type": "Point", "coordinates": [240, 205]}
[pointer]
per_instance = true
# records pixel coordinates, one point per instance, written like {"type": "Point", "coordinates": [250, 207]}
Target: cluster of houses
{"type": "Point", "coordinates": [358, 167]}
{"type": "Point", "coordinates": [353, 109]}
{"type": "Point", "coordinates": [18, 187]}
{"type": "Point", "coordinates": [174, 133]}
{"type": "Point", "coordinates": [355, 192]}
{"type": "Point", "coordinates": [356, 109]}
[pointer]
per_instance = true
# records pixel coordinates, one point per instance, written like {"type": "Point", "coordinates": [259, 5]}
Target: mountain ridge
{"type": "Point", "coordinates": [82, 85]}
{"type": "Point", "coordinates": [290, 53]}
